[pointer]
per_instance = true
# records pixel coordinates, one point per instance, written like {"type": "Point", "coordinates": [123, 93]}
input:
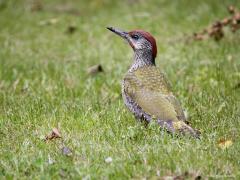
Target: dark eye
{"type": "Point", "coordinates": [135, 36]}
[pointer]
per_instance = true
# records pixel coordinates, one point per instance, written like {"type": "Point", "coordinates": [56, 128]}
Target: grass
{"type": "Point", "coordinates": [43, 84]}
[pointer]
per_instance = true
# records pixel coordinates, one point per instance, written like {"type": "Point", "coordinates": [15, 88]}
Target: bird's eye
{"type": "Point", "coordinates": [135, 36]}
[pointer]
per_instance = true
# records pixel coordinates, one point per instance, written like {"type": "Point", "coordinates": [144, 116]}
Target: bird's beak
{"type": "Point", "coordinates": [123, 34]}
{"type": "Point", "coordinates": [119, 32]}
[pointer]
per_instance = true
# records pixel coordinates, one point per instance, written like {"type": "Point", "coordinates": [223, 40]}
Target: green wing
{"type": "Point", "coordinates": [149, 88]}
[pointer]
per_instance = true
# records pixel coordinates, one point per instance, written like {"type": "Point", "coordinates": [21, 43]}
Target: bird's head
{"type": "Point", "coordinates": [139, 40]}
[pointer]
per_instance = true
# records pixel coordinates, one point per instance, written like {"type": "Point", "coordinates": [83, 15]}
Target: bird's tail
{"type": "Point", "coordinates": [179, 127]}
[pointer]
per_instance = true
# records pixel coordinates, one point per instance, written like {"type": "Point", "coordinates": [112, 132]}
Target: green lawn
{"type": "Point", "coordinates": [44, 84]}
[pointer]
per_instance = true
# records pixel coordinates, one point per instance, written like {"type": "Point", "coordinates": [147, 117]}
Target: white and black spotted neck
{"type": "Point", "coordinates": [142, 58]}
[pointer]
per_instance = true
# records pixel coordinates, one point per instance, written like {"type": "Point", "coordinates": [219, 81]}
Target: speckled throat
{"type": "Point", "coordinates": [142, 58]}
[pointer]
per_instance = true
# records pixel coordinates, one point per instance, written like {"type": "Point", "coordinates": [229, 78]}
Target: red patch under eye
{"type": "Point", "coordinates": [150, 38]}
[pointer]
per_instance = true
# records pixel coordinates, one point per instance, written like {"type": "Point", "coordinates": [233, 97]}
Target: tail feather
{"type": "Point", "coordinates": [179, 127]}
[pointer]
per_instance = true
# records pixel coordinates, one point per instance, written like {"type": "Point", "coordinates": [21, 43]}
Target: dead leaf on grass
{"type": "Point", "coordinates": [225, 143]}
{"type": "Point", "coordinates": [216, 30]}
{"type": "Point", "coordinates": [53, 135]}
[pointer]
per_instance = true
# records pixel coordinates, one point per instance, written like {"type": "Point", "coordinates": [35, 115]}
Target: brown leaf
{"type": "Point", "coordinates": [53, 135]}
{"type": "Point", "coordinates": [217, 24]}
{"type": "Point", "coordinates": [225, 143]}
{"type": "Point", "coordinates": [216, 31]}
{"type": "Point", "coordinates": [198, 37]}
{"type": "Point", "coordinates": [94, 69]}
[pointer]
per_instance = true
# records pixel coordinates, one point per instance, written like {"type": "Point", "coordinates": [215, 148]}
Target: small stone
{"type": "Point", "coordinates": [108, 160]}
{"type": "Point", "coordinates": [66, 151]}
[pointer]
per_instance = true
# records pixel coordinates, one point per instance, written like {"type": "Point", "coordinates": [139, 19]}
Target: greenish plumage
{"type": "Point", "coordinates": [146, 91]}
{"type": "Point", "coordinates": [151, 91]}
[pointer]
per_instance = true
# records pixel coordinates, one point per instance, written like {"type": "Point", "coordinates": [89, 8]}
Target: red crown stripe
{"type": "Point", "coordinates": [150, 38]}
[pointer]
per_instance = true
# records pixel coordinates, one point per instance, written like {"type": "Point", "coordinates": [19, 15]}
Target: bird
{"type": "Point", "coordinates": [145, 89]}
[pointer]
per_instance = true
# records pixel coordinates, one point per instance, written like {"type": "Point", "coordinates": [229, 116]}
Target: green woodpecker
{"type": "Point", "coordinates": [146, 91]}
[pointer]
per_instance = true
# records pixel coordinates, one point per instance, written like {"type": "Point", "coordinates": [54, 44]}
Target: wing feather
{"type": "Point", "coordinates": [150, 89]}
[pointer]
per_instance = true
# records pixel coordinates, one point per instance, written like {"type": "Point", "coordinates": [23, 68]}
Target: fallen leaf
{"type": "Point", "coordinates": [224, 144]}
{"type": "Point", "coordinates": [216, 30]}
{"type": "Point", "coordinates": [53, 135]}
{"type": "Point", "coordinates": [95, 69]}
{"type": "Point", "coordinates": [198, 37]}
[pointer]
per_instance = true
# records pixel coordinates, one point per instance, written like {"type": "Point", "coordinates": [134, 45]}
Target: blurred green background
{"type": "Point", "coordinates": [46, 48]}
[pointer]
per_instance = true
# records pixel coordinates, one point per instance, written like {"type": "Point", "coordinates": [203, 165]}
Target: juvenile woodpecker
{"type": "Point", "coordinates": [146, 91]}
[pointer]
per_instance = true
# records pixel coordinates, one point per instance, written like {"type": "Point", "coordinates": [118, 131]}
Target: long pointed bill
{"type": "Point", "coordinates": [119, 32]}
{"type": "Point", "coordinates": [123, 34]}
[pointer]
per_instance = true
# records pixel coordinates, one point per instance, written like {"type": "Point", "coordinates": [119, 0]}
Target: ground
{"type": "Point", "coordinates": [44, 84]}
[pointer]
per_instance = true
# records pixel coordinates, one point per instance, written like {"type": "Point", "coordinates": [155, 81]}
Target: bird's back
{"type": "Point", "coordinates": [149, 88]}
{"type": "Point", "coordinates": [153, 79]}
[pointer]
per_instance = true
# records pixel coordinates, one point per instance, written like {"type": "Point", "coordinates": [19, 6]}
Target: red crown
{"type": "Point", "coordinates": [149, 37]}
